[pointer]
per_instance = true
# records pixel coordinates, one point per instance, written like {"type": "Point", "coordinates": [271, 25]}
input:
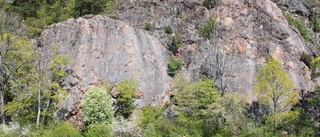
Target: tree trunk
{"type": "Point", "coordinates": [274, 113]}
{"type": "Point", "coordinates": [39, 90]}
{"type": "Point", "coordinates": [2, 104]}
{"type": "Point", "coordinates": [1, 97]}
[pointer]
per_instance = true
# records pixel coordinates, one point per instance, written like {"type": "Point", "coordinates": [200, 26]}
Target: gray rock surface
{"type": "Point", "coordinates": [300, 7]}
{"type": "Point", "coordinates": [251, 30]}
{"type": "Point", "coordinates": [106, 49]}
{"type": "Point", "coordinates": [248, 32]}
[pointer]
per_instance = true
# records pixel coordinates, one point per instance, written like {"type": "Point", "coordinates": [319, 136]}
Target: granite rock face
{"type": "Point", "coordinates": [251, 30]}
{"type": "Point", "coordinates": [248, 32]}
{"type": "Point", "coordinates": [106, 49]}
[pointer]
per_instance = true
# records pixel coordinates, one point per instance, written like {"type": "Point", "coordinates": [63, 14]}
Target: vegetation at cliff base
{"type": "Point", "coordinates": [97, 106]}
{"type": "Point", "coordinates": [276, 91]}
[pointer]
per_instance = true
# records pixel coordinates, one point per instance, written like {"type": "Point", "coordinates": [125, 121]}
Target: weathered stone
{"type": "Point", "coordinates": [248, 32]}
{"type": "Point", "coordinates": [114, 92]}
{"type": "Point", "coordinates": [106, 49]}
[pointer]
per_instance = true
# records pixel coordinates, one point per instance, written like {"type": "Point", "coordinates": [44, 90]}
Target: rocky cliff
{"type": "Point", "coordinates": [106, 49]}
{"type": "Point", "coordinates": [247, 32]}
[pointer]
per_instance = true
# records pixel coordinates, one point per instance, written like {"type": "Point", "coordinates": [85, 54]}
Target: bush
{"type": "Point", "coordinates": [63, 129]}
{"type": "Point", "coordinates": [210, 3]}
{"type": "Point", "coordinates": [175, 42]}
{"type": "Point", "coordinates": [169, 30]}
{"type": "Point", "coordinates": [174, 65]}
{"type": "Point", "coordinates": [207, 30]}
{"type": "Point", "coordinates": [97, 106]}
{"type": "Point", "coordinates": [148, 26]}
{"type": "Point", "coordinates": [306, 59]}
{"type": "Point", "coordinates": [125, 100]}
{"type": "Point", "coordinates": [297, 23]}
{"type": "Point", "coordinates": [149, 115]}
{"type": "Point", "coordinates": [98, 130]}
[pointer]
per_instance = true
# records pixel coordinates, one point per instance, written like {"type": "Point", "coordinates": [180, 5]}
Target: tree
{"type": "Point", "coordinates": [275, 90]}
{"type": "Point", "coordinates": [192, 101]}
{"type": "Point", "coordinates": [10, 33]}
{"type": "Point", "coordinates": [128, 90]}
{"type": "Point", "coordinates": [97, 106]}
{"type": "Point", "coordinates": [194, 98]}
{"type": "Point", "coordinates": [83, 7]}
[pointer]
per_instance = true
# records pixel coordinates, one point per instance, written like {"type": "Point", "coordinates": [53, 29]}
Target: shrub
{"type": "Point", "coordinates": [297, 23]}
{"type": "Point", "coordinates": [125, 100]}
{"type": "Point", "coordinates": [149, 115]}
{"type": "Point", "coordinates": [148, 26]}
{"type": "Point", "coordinates": [306, 59]}
{"type": "Point", "coordinates": [210, 3]}
{"type": "Point", "coordinates": [98, 130]}
{"type": "Point", "coordinates": [174, 65]}
{"type": "Point", "coordinates": [63, 129]}
{"type": "Point", "coordinates": [207, 30]}
{"type": "Point", "coordinates": [97, 106]}
{"type": "Point", "coordinates": [175, 42]}
{"type": "Point", "coordinates": [169, 30]}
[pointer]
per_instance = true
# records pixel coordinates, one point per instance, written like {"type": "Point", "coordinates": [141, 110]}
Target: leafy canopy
{"type": "Point", "coordinates": [97, 106]}
{"type": "Point", "coordinates": [128, 91]}
{"type": "Point", "coordinates": [275, 89]}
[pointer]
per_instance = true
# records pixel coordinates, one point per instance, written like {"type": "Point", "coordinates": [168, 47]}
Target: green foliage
{"type": "Point", "coordinates": [128, 90]}
{"type": "Point", "coordinates": [175, 64]}
{"type": "Point", "coordinates": [297, 23]}
{"type": "Point", "coordinates": [40, 13]}
{"type": "Point", "coordinates": [149, 115]}
{"type": "Point", "coordinates": [314, 3]}
{"type": "Point", "coordinates": [149, 26]}
{"type": "Point", "coordinates": [98, 130]}
{"type": "Point", "coordinates": [275, 89]}
{"type": "Point", "coordinates": [175, 42]}
{"type": "Point", "coordinates": [20, 62]}
{"type": "Point", "coordinates": [83, 7]}
{"type": "Point", "coordinates": [208, 29]}
{"type": "Point", "coordinates": [314, 19]}
{"type": "Point", "coordinates": [306, 59]}
{"type": "Point", "coordinates": [97, 106]}
{"type": "Point", "coordinates": [210, 3]}
{"type": "Point", "coordinates": [169, 30]}
{"type": "Point", "coordinates": [194, 98]}
{"type": "Point", "coordinates": [227, 116]}
{"type": "Point", "coordinates": [63, 129]}
{"type": "Point", "coordinates": [58, 65]}
{"type": "Point", "coordinates": [9, 134]}
{"type": "Point", "coordinates": [315, 65]}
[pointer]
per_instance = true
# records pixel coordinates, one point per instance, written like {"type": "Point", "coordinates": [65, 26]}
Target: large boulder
{"type": "Point", "coordinates": [106, 49]}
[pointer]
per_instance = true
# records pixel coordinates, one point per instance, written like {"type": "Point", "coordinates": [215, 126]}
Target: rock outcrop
{"type": "Point", "coordinates": [248, 32]}
{"type": "Point", "coordinates": [107, 49]}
